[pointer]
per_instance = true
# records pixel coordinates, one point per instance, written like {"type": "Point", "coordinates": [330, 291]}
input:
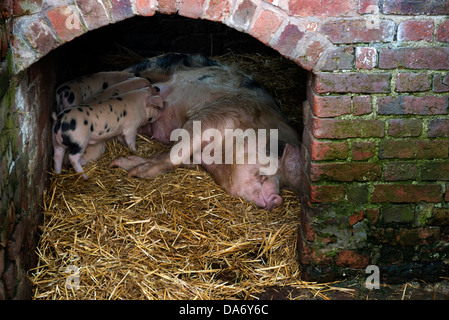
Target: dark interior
{"type": "Point", "coordinates": [125, 43]}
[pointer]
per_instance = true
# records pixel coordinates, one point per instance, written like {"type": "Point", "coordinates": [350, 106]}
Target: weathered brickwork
{"type": "Point", "coordinates": [376, 121]}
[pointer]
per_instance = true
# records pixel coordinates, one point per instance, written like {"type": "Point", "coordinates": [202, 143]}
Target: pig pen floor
{"type": "Point", "coordinates": [179, 236]}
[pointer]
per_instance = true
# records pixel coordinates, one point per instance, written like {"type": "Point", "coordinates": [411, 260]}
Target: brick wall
{"type": "Point", "coordinates": [25, 105]}
{"type": "Point", "coordinates": [376, 145]}
{"type": "Point", "coordinates": [376, 120]}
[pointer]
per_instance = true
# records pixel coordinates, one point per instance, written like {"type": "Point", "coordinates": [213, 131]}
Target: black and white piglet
{"type": "Point", "coordinates": [78, 127]}
{"type": "Point", "coordinates": [76, 91]}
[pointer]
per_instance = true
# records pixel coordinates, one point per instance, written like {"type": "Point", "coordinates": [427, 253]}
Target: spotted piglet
{"type": "Point", "coordinates": [78, 127]}
{"type": "Point", "coordinates": [117, 89]}
{"type": "Point", "coordinates": [76, 91]}
{"type": "Point", "coordinates": [93, 152]}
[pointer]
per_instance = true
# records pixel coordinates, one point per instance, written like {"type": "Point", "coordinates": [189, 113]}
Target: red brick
{"type": "Point", "coordinates": [322, 194]}
{"type": "Point", "coordinates": [406, 236]}
{"type": "Point", "coordinates": [6, 7]}
{"type": "Point", "coordinates": [218, 10]}
{"type": "Point", "coordinates": [418, 236]}
{"type": "Point", "coordinates": [414, 58]}
{"type": "Point", "coordinates": [357, 217]}
{"type": "Point", "coordinates": [435, 171]}
{"type": "Point", "coordinates": [94, 13]}
{"type": "Point", "coordinates": [357, 194]}
{"type": "Point", "coordinates": [309, 255]}
{"type": "Point", "coordinates": [65, 22]}
{"type": "Point", "coordinates": [397, 193]}
{"type": "Point", "coordinates": [265, 26]}
{"type": "Point", "coordinates": [324, 150]}
{"type": "Point", "coordinates": [340, 58]}
{"type": "Point", "coordinates": [342, 129]}
{"type": "Point", "coordinates": [121, 9]}
{"type": "Point", "coordinates": [363, 150]}
{"type": "Point", "coordinates": [415, 30]}
{"type": "Point", "coordinates": [438, 128]}
{"type": "Point", "coordinates": [323, 8]}
{"type": "Point", "coordinates": [404, 104]}
{"type": "Point", "coordinates": [401, 213]}
{"type": "Point", "coordinates": [415, 7]}
{"type": "Point", "coordinates": [357, 31]}
{"type": "Point", "coordinates": [372, 215]}
{"type": "Point", "coordinates": [244, 13]}
{"type": "Point", "coordinates": [191, 8]}
{"type": "Point", "coordinates": [361, 105]}
{"type": "Point", "coordinates": [440, 216]}
{"type": "Point", "coordinates": [331, 106]}
{"type": "Point", "coordinates": [441, 82]}
{"type": "Point", "coordinates": [413, 149]}
{"type": "Point", "coordinates": [352, 82]}
{"type": "Point", "coordinates": [146, 7]}
{"type": "Point", "coordinates": [404, 127]}
{"type": "Point", "coordinates": [26, 7]}
{"type": "Point", "coordinates": [365, 58]}
{"type": "Point", "coordinates": [412, 82]}
{"type": "Point", "coordinates": [40, 36]}
{"type": "Point", "coordinates": [167, 6]}
{"type": "Point", "coordinates": [368, 6]}
{"type": "Point", "coordinates": [352, 259]}
{"type": "Point", "coordinates": [443, 32]}
{"type": "Point", "coordinates": [289, 38]}
{"type": "Point", "coordinates": [306, 225]}
{"type": "Point", "coordinates": [400, 171]}
{"type": "Point", "coordinates": [314, 48]}
{"type": "Point", "coordinates": [345, 171]}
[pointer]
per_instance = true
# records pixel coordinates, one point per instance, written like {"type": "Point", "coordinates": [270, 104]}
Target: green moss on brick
{"type": "Point", "coordinates": [332, 253]}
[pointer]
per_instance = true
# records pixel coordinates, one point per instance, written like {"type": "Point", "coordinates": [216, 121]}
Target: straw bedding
{"type": "Point", "coordinates": [179, 236]}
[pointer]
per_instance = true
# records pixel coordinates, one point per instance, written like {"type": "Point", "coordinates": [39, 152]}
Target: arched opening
{"type": "Point", "coordinates": [120, 45]}
{"type": "Point", "coordinates": [116, 47]}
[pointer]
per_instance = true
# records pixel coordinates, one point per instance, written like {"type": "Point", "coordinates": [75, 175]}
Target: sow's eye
{"type": "Point", "coordinates": [150, 119]}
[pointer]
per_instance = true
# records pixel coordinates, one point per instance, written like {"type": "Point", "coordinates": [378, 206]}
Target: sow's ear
{"type": "Point", "coordinates": [291, 166]}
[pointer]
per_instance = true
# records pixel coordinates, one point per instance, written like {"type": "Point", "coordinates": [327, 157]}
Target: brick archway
{"type": "Point", "coordinates": [276, 26]}
{"type": "Point", "coordinates": [376, 121]}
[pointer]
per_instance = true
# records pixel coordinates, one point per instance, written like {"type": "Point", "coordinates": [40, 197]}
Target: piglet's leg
{"type": "Point", "coordinates": [75, 161]}
{"type": "Point", "coordinates": [130, 138]}
{"type": "Point", "coordinates": [58, 157]}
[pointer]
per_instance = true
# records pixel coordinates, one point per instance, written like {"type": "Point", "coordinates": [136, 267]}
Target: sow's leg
{"type": "Point", "coordinates": [160, 163]}
{"type": "Point", "coordinates": [145, 167]}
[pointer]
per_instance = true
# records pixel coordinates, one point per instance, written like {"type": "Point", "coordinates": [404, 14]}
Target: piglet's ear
{"type": "Point", "coordinates": [161, 89]}
{"type": "Point", "coordinates": [156, 101]}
